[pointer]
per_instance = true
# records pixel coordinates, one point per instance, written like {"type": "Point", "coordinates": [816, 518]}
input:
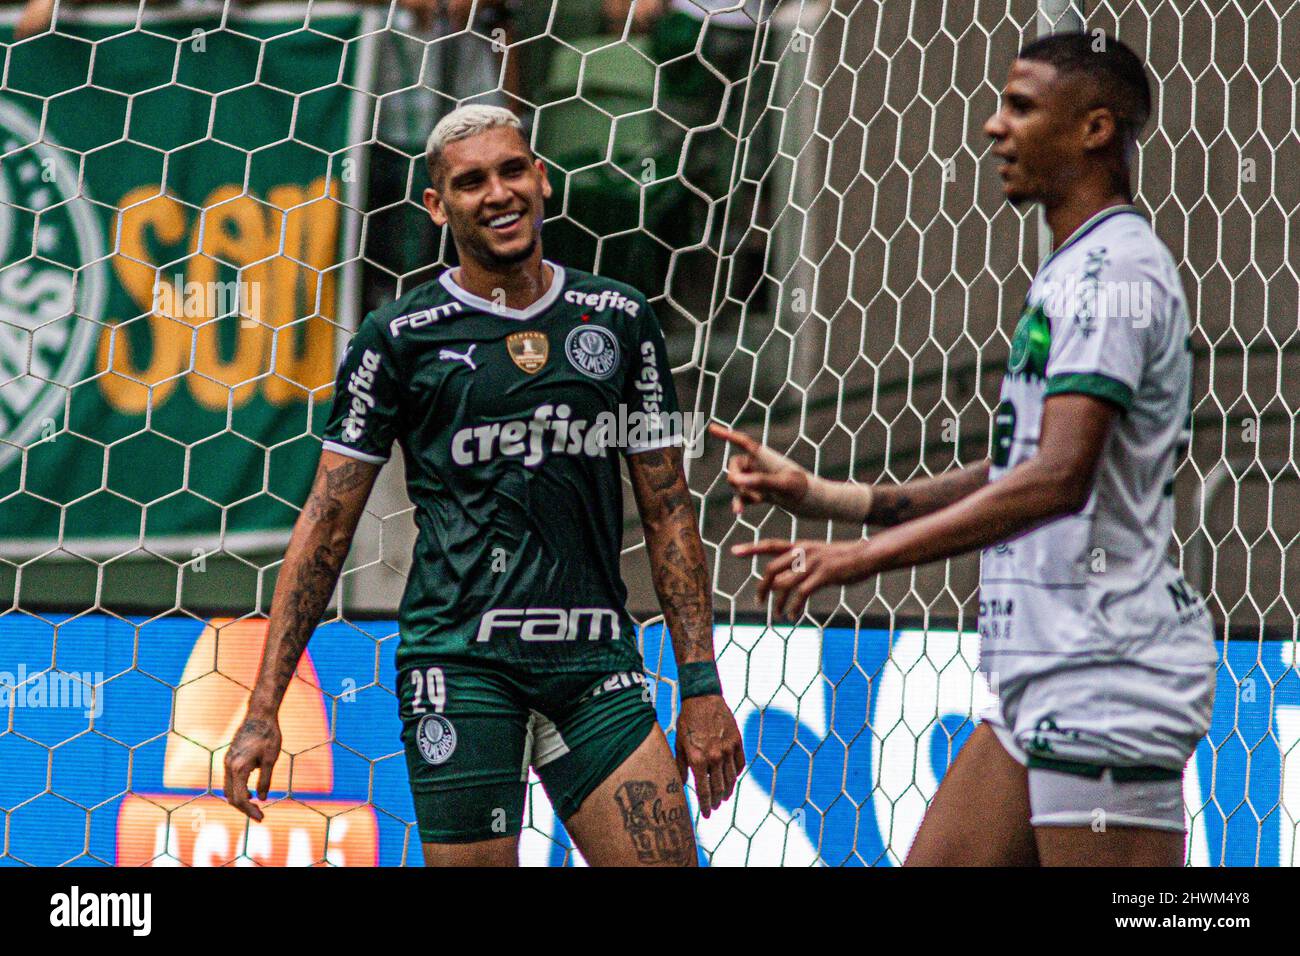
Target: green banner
{"type": "Point", "coordinates": [172, 218]}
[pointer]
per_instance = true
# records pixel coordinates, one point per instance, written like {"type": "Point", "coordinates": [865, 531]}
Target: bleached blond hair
{"type": "Point", "coordinates": [462, 123]}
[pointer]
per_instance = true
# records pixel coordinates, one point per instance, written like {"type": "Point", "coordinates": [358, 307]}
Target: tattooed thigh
{"type": "Point", "coordinates": [656, 821]}
{"type": "Point", "coordinates": [638, 816]}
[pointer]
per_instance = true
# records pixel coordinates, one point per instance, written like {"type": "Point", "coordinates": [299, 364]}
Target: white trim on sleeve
{"type": "Point", "coordinates": [352, 453]}
{"type": "Point", "coordinates": [672, 441]}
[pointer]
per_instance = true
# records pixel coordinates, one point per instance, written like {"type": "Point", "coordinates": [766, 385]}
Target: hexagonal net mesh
{"type": "Point", "coordinates": [198, 203]}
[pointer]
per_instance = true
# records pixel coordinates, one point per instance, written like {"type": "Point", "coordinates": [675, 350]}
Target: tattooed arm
{"type": "Point", "coordinates": [676, 553]}
{"type": "Point", "coordinates": [320, 542]}
{"type": "Point", "coordinates": [758, 474]}
{"type": "Point", "coordinates": [894, 504]}
{"type": "Point", "coordinates": [708, 740]}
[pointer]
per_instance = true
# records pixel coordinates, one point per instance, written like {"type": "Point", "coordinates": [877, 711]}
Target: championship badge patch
{"type": "Point", "coordinates": [592, 350]}
{"type": "Point", "coordinates": [529, 350]}
{"type": "Point", "coordinates": [436, 738]}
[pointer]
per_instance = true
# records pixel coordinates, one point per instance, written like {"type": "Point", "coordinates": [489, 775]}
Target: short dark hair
{"type": "Point", "coordinates": [1115, 71]}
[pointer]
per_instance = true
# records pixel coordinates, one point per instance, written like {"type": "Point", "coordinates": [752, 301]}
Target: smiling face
{"type": "Point", "coordinates": [492, 192]}
{"type": "Point", "coordinates": [1040, 132]}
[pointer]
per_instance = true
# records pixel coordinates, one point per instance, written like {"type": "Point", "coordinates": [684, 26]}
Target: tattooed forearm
{"type": "Point", "coordinates": [894, 504]}
{"type": "Point", "coordinates": [316, 553]}
{"type": "Point", "coordinates": [316, 576]}
{"type": "Point", "coordinates": [681, 580]}
{"type": "Point", "coordinates": [678, 564]}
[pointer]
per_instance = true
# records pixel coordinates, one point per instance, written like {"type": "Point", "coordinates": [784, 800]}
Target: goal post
{"type": "Point", "coordinates": [190, 220]}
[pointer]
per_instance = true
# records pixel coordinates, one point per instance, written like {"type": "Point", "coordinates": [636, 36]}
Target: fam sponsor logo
{"type": "Point", "coordinates": [552, 431]}
{"type": "Point", "coordinates": [77, 909]}
{"type": "Point", "coordinates": [546, 624]}
{"type": "Point", "coordinates": [415, 320]}
{"type": "Point", "coordinates": [592, 350]}
{"type": "Point", "coordinates": [52, 689]}
{"type": "Point", "coordinates": [600, 301]}
{"type": "Point", "coordinates": [360, 386]}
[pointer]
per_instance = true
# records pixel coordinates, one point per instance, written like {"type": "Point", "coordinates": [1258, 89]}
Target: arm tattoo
{"type": "Point", "coordinates": [890, 510]}
{"type": "Point", "coordinates": [677, 560]}
{"type": "Point", "coordinates": [894, 504]}
{"type": "Point", "coordinates": [313, 584]}
{"type": "Point", "coordinates": [324, 504]}
{"type": "Point", "coordinates": [311, 570]}
{"type": "Point", "coordinates": [251, 733]}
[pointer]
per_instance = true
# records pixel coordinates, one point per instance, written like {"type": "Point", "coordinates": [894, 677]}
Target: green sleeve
{"type": "Point", "coordinates": [1094, 384]}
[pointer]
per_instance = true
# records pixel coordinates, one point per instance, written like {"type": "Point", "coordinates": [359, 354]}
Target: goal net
{"type": "Point", "coordinates": [199, 202]}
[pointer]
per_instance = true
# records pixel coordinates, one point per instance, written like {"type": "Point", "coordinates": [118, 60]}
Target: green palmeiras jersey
{"type": "Point", "coordinates": [511, 423]}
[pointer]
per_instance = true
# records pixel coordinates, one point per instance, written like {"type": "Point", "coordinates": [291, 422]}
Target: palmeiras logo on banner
{"type": "Point", "coordinates": [52, 281]}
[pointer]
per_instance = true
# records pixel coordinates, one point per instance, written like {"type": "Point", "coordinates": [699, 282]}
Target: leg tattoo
{"type": "Point", "coordinates": [661, 835]}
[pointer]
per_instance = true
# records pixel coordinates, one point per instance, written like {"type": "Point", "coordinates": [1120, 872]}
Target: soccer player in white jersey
{"type": "Point", "coordinates": [1101, 655]}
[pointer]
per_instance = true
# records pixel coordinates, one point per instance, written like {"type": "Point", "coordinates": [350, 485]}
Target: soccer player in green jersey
{"type": "Point", "coordinates": [511, 385]}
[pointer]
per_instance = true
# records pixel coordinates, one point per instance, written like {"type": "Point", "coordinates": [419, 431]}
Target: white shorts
{"type": "Point", "coordinates": [1114, 714]}
{"type": "Point", "coordinates": [1089, 796]}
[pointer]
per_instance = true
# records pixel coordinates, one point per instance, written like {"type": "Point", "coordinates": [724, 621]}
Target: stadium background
{"type": "Point", "coordinates": [834, 266]}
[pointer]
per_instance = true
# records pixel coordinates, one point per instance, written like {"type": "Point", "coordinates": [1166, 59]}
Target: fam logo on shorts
{"type": "Point", "coordinates": [529, 350]}
{"type": "Point", "coordinates": [436, 738]}
{"type": "Point", "coordinates": [592, 350]}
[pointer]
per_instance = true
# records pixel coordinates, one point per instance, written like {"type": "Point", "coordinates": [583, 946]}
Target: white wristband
{"type": "Point", "coordinates": [837, 500]}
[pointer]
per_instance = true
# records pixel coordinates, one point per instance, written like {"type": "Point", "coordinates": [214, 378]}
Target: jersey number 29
{"type": "Point", "coordinates": [428, 684]}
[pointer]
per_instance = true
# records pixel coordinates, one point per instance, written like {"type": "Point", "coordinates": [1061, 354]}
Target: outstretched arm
{"type": "Point", "coordinates": [1055, 482]}
{"type": "Point", "coordinates": [894, 504]}
{"type": "Point", "coordinates": [759, 474]}
{"type": "Point", "coordinates": [708, 740]}
{"type": "Point", "coordinates": [320, 542]}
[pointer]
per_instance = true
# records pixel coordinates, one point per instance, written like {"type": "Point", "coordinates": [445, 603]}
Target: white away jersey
{"type": "Point", "coordinates": [1105, 316]}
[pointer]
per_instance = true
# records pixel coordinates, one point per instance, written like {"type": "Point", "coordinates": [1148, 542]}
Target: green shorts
{"type": "Point", "coordinates": [471, 730]}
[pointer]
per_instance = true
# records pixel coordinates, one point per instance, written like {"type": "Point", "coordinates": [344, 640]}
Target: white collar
{"type": "Point", "coordinates": [1087, 226]}
{"type": "Point", "coordinates": [484, 305]}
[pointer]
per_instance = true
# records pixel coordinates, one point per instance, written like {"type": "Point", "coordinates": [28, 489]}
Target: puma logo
{"type": "Point", "coordinates": [449, 355]}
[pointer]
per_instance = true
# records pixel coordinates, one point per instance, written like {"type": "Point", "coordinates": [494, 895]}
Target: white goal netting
{"type": "Point", "coordinates": [197, 203]}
